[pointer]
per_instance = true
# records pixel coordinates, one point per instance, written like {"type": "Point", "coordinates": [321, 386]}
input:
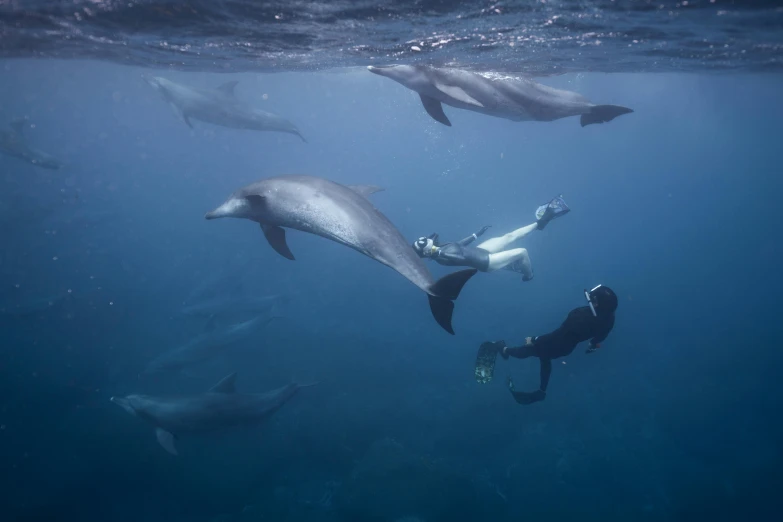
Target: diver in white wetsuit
{"type": "Point", "coordinates": [492, 254]}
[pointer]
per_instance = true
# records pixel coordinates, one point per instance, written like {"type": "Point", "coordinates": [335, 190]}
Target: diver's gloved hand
{"type": "Point", "coordinates": [500, 346]}
{"type": "Point", "coordinates": [483, 229]}
{"type": "Point", "coordinates": [592, 347]}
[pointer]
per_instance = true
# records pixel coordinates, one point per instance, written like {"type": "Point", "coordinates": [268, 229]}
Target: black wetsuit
{"type": "Point", "coordinates": [580, 325]}
{"type": "Point", "coordinates": [459, 254]}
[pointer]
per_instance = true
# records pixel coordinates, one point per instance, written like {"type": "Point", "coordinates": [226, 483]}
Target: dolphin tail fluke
{"type": "Point", "coordinates": [442, 309]}
{"type": "Point", "coordinates": [603, 114]}
{"type": "Point", "coordinates": [444, 292]}
{"type": "Point", "coordinates": [450, 285]}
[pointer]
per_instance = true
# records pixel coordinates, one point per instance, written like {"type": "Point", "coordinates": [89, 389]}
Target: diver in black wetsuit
{"type": "Point", "coordinates": [593, 322]}
{"type": "Point", "coordinates": [491, 254]}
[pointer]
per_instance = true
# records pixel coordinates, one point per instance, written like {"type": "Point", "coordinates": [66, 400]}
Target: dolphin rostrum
{"type": "Point", "coordinates": [13, 143]}
{"type": "Point", "coordinates": [512, 98]}
{"type": "Point", "coordinates": [342, 214]}
{"type": "Point", "coordinates": [206, 345]}
{"type": "Point", "coordinates": [220, 407]}
{"type": "Point", "coordinates": [218, 106]}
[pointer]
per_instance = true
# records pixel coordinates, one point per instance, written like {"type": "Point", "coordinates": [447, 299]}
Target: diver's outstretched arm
{"type": "Point", "coordinates": [471, 238]}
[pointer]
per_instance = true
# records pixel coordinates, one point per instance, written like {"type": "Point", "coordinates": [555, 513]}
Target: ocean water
{"type": "Point", "coordinates": [677, 417]}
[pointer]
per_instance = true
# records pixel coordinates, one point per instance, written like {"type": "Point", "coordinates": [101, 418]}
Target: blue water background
{"type": "Point", "coordinates": [674, 206]}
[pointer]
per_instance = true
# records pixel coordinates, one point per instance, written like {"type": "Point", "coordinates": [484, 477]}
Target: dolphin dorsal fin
{"type": "Point", "coordinates": [226, 384]}
{"type": "Point", "coordinates": [228, 88]}
{"type": "Point", "coordinates": [366, 190]}
{"type": "Point", "coordinates": [17, 125]}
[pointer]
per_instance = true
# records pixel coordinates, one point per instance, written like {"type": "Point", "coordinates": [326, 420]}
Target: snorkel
{"type": "Point", "coordinates": [590, 299]}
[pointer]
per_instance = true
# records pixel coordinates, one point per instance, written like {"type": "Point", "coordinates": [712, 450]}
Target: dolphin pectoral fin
{"type": "Point", "coordinates": [603, 114]}
{"type": "Point", "coordinates": [228, 88]}
{"type": "Point", "coordinates": [166, 440]}
{"type": "Point", "coordinates": [181, 115]}
{"type": "Point", "coordinates": [434, 109]}
{"type": "Point", "coordinates": [458, 94]}
{"type": "Point", "coordinates": [276, 237]}
{"type": "Point", "coordinates": [444, 292]}
{"type": "Point", "coordinates": [366, 190]}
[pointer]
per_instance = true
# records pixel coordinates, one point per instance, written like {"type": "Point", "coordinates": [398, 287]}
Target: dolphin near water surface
{"type": "Point", "coordinates": [218, 106]}
{"type": "Point", "coordinates": [511, 98]}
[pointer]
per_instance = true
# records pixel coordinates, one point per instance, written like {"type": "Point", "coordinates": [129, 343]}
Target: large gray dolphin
{"type": "Point", "coordinates": [515, 99]}
{"type": "Point", "coordinates": [344, 215]}
{"type": "Point", "coordinates": [206, 345]}
{"type": "Point", "coordinates": [221, 407]}
{"type": "Point", "coordinates": [13, 143]}
{"type": "Point", "coordinates": [218, 106]}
